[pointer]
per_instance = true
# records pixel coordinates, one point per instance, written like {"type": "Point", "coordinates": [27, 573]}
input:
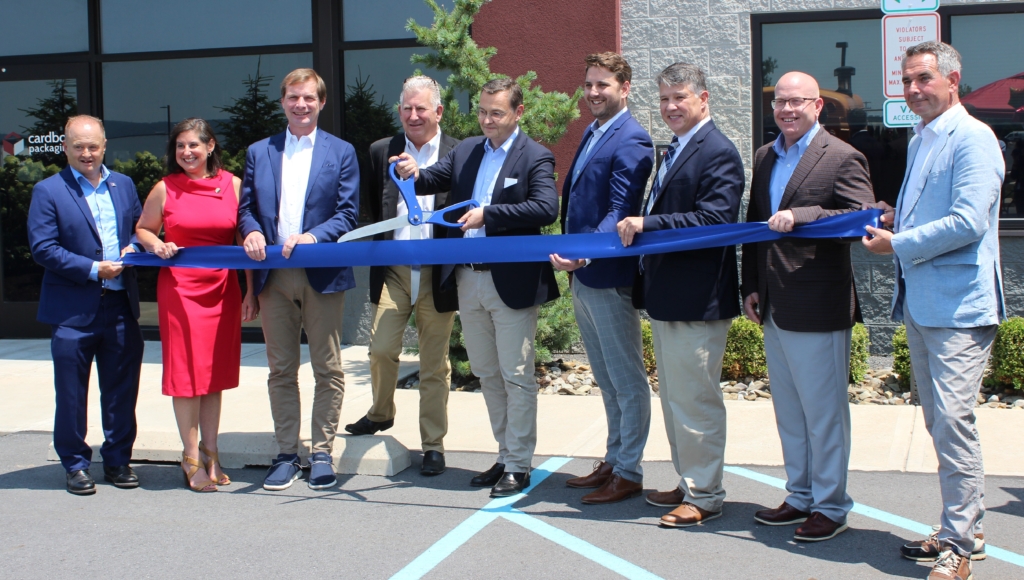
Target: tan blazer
{"type": "Point", "coordinates": [808, 284]}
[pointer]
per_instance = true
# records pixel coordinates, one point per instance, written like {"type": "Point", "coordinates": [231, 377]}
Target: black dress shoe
{"type": "Point", "coordinates": [81, 483]}
{"type": "Point", "coordinates": [433, 463]}
{"type": "Point", "coordinates": [365, 426]}
{"type": "Point", "coordinates": [510, 484]}
{"type": "Point", "coordinates": [489, 477]}
{"type": "Point", "coordinates": [121, 476]}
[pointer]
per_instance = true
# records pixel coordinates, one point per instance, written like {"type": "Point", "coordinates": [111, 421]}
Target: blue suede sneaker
{"type": "Point", "coordinates": [321, 471]}
{"type": "Point", "coordinates": [283, 473]}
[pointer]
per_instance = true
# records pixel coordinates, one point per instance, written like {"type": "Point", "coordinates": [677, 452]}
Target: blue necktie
{"type": "Point", "coordinates": [666, 164]}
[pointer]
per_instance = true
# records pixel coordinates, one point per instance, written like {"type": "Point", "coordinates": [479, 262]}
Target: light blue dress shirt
{"type": "Point", "coordinates": [102, 207]}
{"type": "Point", "coordinates": [785, 163]}
{"type": "Point", "coordinates": [487, 175]}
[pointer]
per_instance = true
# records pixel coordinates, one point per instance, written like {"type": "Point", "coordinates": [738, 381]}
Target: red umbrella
{"type": "Point", "coordinates": [1002, 100]}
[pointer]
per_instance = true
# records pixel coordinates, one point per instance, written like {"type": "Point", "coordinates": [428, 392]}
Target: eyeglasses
{"type": "Point", "coordinates": [795, 103]}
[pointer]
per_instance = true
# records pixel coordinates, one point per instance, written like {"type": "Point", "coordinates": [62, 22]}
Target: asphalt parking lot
{"type": "Point", "coordinates": [410, 526]}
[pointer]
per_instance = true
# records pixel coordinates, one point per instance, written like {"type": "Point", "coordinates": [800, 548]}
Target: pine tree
{"type": "Point", "coordinates": [51, 114]}
{"type": "Point", "coordinates": [546, 116]}
{"type": "Point", "coordinates": [367, 119]}
{"type": "Point", "coordinates": [253, 117]}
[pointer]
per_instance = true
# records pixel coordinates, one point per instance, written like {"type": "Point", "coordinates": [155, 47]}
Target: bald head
{"type": "Point", "coordinates": [797, 105]}
{"type": "Point", "coordinates": [85, 144]}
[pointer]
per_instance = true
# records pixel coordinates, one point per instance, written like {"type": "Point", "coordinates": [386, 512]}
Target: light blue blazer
{"type": "Point", "coordinates": [947, 251]}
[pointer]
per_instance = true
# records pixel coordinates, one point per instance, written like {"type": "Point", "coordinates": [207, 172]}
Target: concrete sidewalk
{"type": "Point", "coordinates": [884, 438]}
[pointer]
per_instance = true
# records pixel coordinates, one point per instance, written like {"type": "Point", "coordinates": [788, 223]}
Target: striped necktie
{"type": "Point", "coordinates": [666, 164]}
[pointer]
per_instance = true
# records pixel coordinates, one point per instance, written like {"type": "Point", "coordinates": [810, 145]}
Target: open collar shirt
{"type": "Point", "coordinates": [487, 176]}
{"type": "Point", "coordinates": [425, 157]}
{"type": "Point", "coordinates": [103, 213]}
{"type": "Point", "coordinates": [786, 161]}
{"type": "Point", "coordinates": [295, 165]}
{"type": "Point", "coordinates": [928, 134]}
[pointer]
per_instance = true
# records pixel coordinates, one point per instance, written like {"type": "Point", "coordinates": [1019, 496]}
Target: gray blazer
{"type": "Point", "coordinates": [947, 250]}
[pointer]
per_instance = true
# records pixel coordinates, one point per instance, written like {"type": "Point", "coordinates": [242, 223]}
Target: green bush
{"type": "Point", "coordinates": [648, 343]}
{"type": "Point", "coordinates": [1008, 354]}
{"type": "Point", "coordinates": [901, 357]}
{"type": "Point", "coordinates": [556, 323]}
{"type": "Point", "coordinates": [744, 351]}
{"type": "Point", "coordinates": [859, 344]}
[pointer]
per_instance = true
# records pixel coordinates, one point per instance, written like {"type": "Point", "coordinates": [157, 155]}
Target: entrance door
{"type": "Point", "coordinates": [35, 102]}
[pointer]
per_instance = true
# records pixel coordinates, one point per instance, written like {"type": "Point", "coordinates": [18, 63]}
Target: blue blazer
{"type": "Point", "coordinates": [610, 188]}
{"type": "Point", "coordinates": [64, 240]}
{"type": "Point", "coordinates": [332, 201]}
{"type": "Point", "coordinates": [702, 188]}
{"type": "Point", "coordinates": [947, 250]}
{"type": "Point", "coordinates": [517, 210]}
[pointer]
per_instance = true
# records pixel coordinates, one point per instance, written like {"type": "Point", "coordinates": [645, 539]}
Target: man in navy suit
{"type": "Point", "coordinates": [606, 184]}
{"type": "Point", "coordinates": [80, 222]}
{"type": "Point", "coordinates": [691, 296]}
{"type": "Point", "coordinates": [301, 186]}
{"type": "Point", "coordinates": [512, 177]}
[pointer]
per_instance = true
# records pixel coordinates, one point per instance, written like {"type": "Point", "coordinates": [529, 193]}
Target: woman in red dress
{"type": "Point", "coordinates": [200, 309]}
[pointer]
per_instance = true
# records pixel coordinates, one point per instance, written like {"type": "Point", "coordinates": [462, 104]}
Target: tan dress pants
{"type": "Point", "coordinates": [289, 305]}
{"type": "Point", "coordinates": [689, 356]}
{"type": "Point", "coordinates": [390, 318]}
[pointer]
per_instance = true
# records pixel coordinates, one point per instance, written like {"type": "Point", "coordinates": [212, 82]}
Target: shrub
{"type": "Point", "coordinates": [1008, 354]}
{"type": "Point", "coordinates": [744, 351]}
{"type": "Point", "coordinates": [556, 323]}
{"type": "Point", "coordinates": [648, 343]}
{"type": "Point", "coordinates": [901, 357]}
{"type": "Point", "coordinates": [859, 344]}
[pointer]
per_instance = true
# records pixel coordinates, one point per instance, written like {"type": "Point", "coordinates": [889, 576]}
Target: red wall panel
{"type": "Point", "coordinates": [550, 37]}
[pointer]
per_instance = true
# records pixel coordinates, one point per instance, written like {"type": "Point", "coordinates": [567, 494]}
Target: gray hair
{"type": "Point", "coordinates": [418, 83]}
{"type": "Point", "coordinates": [947, 56]}
{"type": "Point", "coordinates": [682, 73]}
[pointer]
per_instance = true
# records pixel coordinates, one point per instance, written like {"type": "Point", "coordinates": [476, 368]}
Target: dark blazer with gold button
{"type": "Point", "coordinates": [383, 203]}
{"type": "Point", "coordinates": [807, 283]}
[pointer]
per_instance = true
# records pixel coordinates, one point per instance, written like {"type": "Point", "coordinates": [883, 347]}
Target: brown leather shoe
{"type": "Point", "coordinates": [784, 515]}
{"type": "Point", "coordinates": [929, 550]}
{"type": "Point", "coordinates": [687, 515]}
{"type": "Point", "coordinates": [951, 566]}
{"type": "Point", "coordinates": [670, 499]}
{"type": "Point", "coordinates": [601, 474]}
{"type": "Point", "coordinates": [615, 489]}
{"type": "Point", "coordinates": [818, 528]}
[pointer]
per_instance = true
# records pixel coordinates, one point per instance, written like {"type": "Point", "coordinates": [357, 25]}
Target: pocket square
{"type": "Point", "coordinates": [510, 181]}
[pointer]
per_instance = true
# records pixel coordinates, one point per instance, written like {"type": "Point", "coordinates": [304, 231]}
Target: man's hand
{"type": "Point", "coordinates": [888, 218]}
{"type": "Point", "coordinates": [561, 263]}
{"type": "Point", "coordinates": [293, 240]}
{"type": "Point", "coordinates": [406, 166]}
{"type": "Point", "coordinates": [109, 270]}
{"type": "Point", "coordinates": [750, 304]}
{"type": "Point", "coordinates": [472, 219]}
{"type": "Point", "coordinates": [628, 228]}
{"type": "Point", "coordinates": [878, 241]}
{"type": "Point", "coordinates": [255, 246]}
{"type": "Point", "coordinates": [250, 307]}
{"type": "Point", "coordinates": [165, 251]}
{"type": "Point", "coordinates": [782, 221]}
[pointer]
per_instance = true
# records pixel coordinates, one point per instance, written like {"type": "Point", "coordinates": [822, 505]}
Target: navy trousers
{"type": "Point", "coordinates": [114, 340]}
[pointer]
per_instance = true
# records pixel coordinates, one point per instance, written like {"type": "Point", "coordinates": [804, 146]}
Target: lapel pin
{"type": "Point", "coordinates": [216, 190]}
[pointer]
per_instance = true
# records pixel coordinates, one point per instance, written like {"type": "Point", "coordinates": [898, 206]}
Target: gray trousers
{"type": "Point", "coordinates": [809, 374]}
{"type": "Point", "coordinates": [499, 342]}
{"type": "Point", "coordinates": [610, 328]}
{"type": "Point", "coordinates": [948, 365]}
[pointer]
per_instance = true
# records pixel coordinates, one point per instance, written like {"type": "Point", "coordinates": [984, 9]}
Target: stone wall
{"type": "Point", "coordinates": [715, 34]}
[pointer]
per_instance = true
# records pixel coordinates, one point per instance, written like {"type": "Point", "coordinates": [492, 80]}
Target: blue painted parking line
{"type": "Point", "coordinates": [502, 507]}
{"type": "Point", "coordinates": [880, 515]}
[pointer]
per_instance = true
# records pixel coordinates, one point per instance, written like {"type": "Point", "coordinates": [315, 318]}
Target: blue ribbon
{"type": "Point", "coordinates": [490, 250]}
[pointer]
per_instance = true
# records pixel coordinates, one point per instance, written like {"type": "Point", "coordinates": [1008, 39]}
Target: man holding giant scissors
{"type": "Point", "coordinates": [396, 292]}
{"type": "Point", "coordinates": [512, 178]}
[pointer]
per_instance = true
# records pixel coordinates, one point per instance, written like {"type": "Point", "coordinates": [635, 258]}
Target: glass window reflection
{"type": "Point", "coordinates": [66, 27]}
{"type": "Point", "coordinates": [382, 19]}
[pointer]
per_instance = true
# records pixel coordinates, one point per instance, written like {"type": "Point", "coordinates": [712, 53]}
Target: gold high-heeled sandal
{"type": "Point", "coordinates": [214, 458]}
{"type": "Point", "coordinates": [203, 486]}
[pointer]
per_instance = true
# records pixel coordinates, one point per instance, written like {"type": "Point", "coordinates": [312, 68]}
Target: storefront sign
{"type": "Point", "coordinates": [29, 145]}
{"type": "Point", "coordinates": [900, 32]}
{"type": "Point", "coordinates": [905, 6]}
{"type": "Point", "coordinates": [898, 114]}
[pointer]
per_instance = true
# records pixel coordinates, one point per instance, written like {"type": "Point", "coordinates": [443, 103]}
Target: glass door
{"type": "Point", "coordinates": [35, 102]}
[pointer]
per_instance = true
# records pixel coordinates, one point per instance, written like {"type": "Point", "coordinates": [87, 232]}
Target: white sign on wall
{"type": "Point", "coordinates": [898, 114]}
{"type": "Point", "coordinates": [905, 6]}
{"type": "Point", "coordinates": [900, 32]}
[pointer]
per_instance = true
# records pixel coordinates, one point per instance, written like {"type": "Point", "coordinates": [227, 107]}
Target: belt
{"type": "Point", "coordinates": [478, 267]}
{"type": "Point", "coordinates": [107, 291]}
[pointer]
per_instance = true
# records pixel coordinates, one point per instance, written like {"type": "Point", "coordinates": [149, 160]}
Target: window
{"type": "Point", "coordinates": [65, 27]}
{"type": "Point", "coordinates": [363, 20]}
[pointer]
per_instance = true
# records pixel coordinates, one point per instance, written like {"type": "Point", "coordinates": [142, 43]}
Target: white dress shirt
{"type": "Point", "coordinates": [295, 166]}
{"type": "Point", "coordinates": [928, 134]}
{"type": "Point", "coordinates": [425, 157]}
{"type": "Point", "coordinates": [681, 141]}
{"type": "Point", "coordinates": [487, 176]}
